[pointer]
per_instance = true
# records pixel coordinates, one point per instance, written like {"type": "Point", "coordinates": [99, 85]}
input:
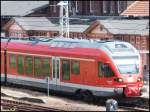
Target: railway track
{"type": "Point", "coordinates": [12, 105]}
{"type": "Point", "coordinates": [140, 104]}
{"type": "Point", "coordinates": [134, 103]}
{"type": "Point", "coordinates": [133, 108]}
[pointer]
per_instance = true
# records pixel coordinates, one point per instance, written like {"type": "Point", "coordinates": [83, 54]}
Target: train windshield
{"type": "Point", "coordinates": [128, 69]}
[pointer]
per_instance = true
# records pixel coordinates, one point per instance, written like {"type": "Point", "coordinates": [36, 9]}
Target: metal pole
{"type": "Point", "coordinates": [64, 19]}
{"type": "Point", "coordinates": [5, 65]}
{"type": "Point", "coordinates": [5, 60]}
{"type": "Point", "coordinates": [61, 21]}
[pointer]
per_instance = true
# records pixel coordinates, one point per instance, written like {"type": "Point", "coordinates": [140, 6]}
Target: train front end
{"type": "Point", "coordinates": [127, 66]}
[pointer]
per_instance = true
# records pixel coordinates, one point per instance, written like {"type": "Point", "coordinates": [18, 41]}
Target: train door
{"type": "Point", "coordinates": [108, 75]}
{"type": "Point", "coordinates": [105, 74]}
{"type": "Point", "coordinates": [56, 70]}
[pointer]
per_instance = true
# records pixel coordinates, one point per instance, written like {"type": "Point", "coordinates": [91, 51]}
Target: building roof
{"type": "Point", "coordinates": [43, 24]}
{"type": "Point", "coordinates": [20, 8]}
{"type": "Point", "coordinates": [137, 8]}
{"type": "Point", "coordinates": [135, 27]}
{"type": "Point", "coordinates": [122, 26]}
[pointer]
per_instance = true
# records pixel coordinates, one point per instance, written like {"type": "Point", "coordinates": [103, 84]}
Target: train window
{"type": "Point", "coordinates": [46, 66]}
{"type": "Point", "coordinates": [107, 71]}
{"type": "Point", "coordinates": [75, 67]}
{"type": "Point", "coordinates": [29, 65]}
{"type": "Point", "coordinates": [120, 46]}
{"type": "Point", "coordinates": [57, 69]}
{"type": "Point", "coordinates": [20, 64]}
{"type": "Point", "coordinates": [37, 66]}
{"type": "Point", "coordinates": [1, 60]}
{"type": "Point", "coordinates": [54, 68]}
{"type": "Point", "coordinates": [65, 69]}
{"type": "Point", "coordinates": [12, 60]}
{"type": "Point", "coordinates": [99, 69]}
{"type": "Point", "coordinates": [128, 69]}
{"type": "Point", "coordinates": [2, 63]}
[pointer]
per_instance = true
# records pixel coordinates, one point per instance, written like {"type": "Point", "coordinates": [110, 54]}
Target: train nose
{"type": "Point", "coordinates": [132, 91]}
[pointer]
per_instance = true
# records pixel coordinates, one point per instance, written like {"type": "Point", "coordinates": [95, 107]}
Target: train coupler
{"type": "Point", "coordinates": [132, 91]}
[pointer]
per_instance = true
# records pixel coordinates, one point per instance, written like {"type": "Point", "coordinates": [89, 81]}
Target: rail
{"type": "Point", "coordinates": [133, 103]}
{"type": "Point", "coordinates": [133, 108]}
{"type": "Point", "coordinates": [12, 105]}
{"type": "Point", "coordinates": [136, 104]}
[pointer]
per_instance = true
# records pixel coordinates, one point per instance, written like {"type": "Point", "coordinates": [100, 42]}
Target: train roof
{"type": "Point", "coordinates": [111, 47]}
{"type": "Point", "coordinates": [45, 48]}
{"type": "Point", "coordinates": [68, 42]}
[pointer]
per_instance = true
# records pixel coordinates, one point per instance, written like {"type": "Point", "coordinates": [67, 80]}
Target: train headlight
{"type": "Point", "coordinates": [139, 79]}
{"type": "Point", "coordinates": [119, 80]}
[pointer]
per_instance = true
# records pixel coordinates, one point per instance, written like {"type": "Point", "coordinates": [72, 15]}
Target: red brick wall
{"type": "Point", "coordinates": [17, 33]}
{"type": "Point", "coordinates": [52, 12]}
{"type": "Point", "coordinates": [140, 42]}
{"type": "Point", "coordinates": [84, 8]}
{"type": "Point", "coordinates": [145, 59]}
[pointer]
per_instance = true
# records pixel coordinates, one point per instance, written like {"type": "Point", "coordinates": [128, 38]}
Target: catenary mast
{"type": "Point", "coordinates": [64, 19]}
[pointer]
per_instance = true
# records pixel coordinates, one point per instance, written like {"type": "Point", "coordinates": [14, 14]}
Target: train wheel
{"type": "Point", "coordinates": [79, 95]}
{"type": "Point", "coordinates": [87, 96]}
{"type": "Point", "coordinates": [84, 95]}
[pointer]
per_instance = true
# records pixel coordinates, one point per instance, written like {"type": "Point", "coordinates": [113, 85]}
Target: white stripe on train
{"type": "Point", "coordinates": [64, 84]}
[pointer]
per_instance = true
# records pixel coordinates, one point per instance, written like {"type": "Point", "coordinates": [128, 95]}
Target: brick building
{"type": "Point", "coordinates": [90, 8]}
{"type": "Point", "coordinates": [23, 27]}
{"type": "Point", "coordinates": [137, 8]}
{"type": "Point", "coordinates": [11, 9]}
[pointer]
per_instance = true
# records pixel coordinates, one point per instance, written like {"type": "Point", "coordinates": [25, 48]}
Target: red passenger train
{"type": "Point", "coordinates": [101, 68]}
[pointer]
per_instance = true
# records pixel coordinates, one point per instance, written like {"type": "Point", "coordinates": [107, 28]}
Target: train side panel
{"type": "Point", "coordinates": [86, 79]}
{"type": "Point", "coordinates": [3, 44]}
{"type": "Point", "coordinates": [12, 64]}
{"type": "Point", "coordinates": [88, 69]}
{"type": "Point", "coordinates": [85, 73]}
{"type": "Point", "coordinates": [23, 65]}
